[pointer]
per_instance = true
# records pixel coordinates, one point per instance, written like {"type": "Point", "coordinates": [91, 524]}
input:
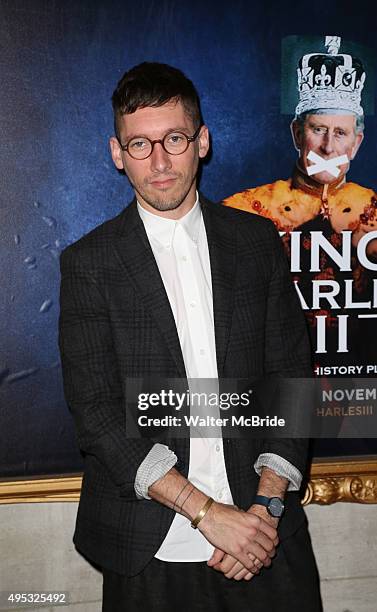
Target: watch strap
{"type": "Point", "coordinates": [262, 500]}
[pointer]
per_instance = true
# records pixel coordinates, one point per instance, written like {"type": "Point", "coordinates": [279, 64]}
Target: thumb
{"type": "Point", "coordinates": [217, 556]}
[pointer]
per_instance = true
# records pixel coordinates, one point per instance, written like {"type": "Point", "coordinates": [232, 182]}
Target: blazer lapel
{"type": "Point", "coordinates": [135, 254]}
{"type": "Point", "coordinates": [222, 252]}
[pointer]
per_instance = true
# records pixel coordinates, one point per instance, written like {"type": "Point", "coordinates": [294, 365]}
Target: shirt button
{"type": "Point", "coordinates": [217, 447]}
{"type": "Point", "coordinates": [220, 495]}
{"type": "Point", "coordinates": [202, 352]}
{"type": "Point", "coordinates": [192, 304]}
{"type": "Point", "coordinates": [184, 258]}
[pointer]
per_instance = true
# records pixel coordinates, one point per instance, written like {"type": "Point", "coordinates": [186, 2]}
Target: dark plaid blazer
{"type": "Point", "coordinates": [116, 322]}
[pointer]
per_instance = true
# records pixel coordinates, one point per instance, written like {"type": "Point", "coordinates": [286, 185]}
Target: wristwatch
{"type": "Point", "coordinates": [274, 505]}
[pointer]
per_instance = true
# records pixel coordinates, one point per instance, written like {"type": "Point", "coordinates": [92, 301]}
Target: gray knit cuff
{"type": "Point", "coordinates": [282, 467]}
{"type": "Point", "coordinates": [156, 464]}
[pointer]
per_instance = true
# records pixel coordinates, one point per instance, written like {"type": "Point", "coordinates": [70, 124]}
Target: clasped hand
{"type": "Point", "coordinates": [244, 542]}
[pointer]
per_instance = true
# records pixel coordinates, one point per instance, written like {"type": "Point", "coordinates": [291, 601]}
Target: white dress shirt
{"type": "Point", "coordinates": [181, 252]}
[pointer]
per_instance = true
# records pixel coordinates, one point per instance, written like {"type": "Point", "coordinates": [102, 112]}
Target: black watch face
{"type": "Point", "coordinates": [275, 507]}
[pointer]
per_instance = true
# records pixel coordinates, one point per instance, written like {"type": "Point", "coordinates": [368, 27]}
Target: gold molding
{"type": "Point", "coordinates": [349, 480]}
{"type": "Point", "coordinates": [60, 488]}
{"type": "Point", "coordinates": [346, 480]}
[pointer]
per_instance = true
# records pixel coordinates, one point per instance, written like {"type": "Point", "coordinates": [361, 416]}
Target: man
{"type": "Point", "coordinates": [327, 131]}
{"type": "Point", "coordinates": [156, 291]}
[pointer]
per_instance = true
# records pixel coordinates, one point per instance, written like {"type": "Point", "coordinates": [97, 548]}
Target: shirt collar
{"type": "Point", "coordinates": [161, 230]}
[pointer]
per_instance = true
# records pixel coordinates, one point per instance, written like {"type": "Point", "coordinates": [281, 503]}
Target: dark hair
{"type": "Point", "coordinates": [154, 84]}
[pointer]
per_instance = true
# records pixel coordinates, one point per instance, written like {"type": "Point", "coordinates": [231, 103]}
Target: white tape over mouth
{"type": "Point", "coordinates": [325, 165]}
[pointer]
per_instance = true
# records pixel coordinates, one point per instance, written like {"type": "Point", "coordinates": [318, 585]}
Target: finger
{"type": "Point", "coordinates": [226, 564]}
{"type": "Point", "coordinates": [244, 574]}
{"type": "Point", "coordinates": [229, 566]}
{"type": "Point", "coordinates": [246, 561]}
{"type": "Point", "coordinates": [260, 553]}
{"type": "Point", "coordinates": [258, 525]}
{"type": "Point", "coordinates": [258, 565]}
{"type": "Point", "coordinates": [267, 529]}
{"type": "Point", "coordinates": [236, 569]}
{"type": "Point", "coordinates": [240, 575]}
{"type": "Point", "coordinates": [266, 543]}
{"type": "Point", "coordinates": [217, 557]}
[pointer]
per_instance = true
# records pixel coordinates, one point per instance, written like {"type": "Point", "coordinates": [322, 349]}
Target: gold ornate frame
{"type": "Point", "coordinates": [337, 480]}
{"type": "Point", "coordinates": [348, 480]}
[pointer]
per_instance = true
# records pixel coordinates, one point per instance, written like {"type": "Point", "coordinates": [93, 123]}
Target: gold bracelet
{"type": "Point", "coordinates": [201, 514]}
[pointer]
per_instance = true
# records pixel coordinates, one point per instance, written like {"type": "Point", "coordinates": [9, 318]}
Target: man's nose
{"type": "Point", "coordinates": [328, 143]}
{"type": "Point", "coordinates": [160, 159]}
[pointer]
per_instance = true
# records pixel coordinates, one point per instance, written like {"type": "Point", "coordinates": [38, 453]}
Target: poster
{"type": "Point", "coordinates": [327, 222]}
{"type": "Point", "coordinates": [60, 63]}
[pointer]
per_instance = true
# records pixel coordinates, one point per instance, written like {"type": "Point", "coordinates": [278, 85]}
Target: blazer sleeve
{"type": "Point", "coordinates": [92, 384]}
{"type": "Point", "coordinates": [287, 347]}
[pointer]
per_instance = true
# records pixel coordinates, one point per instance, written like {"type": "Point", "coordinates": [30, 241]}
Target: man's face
{"type": "Point", "coordinates": [328, 136]}
{"type": "Point", "coordinates": [163, 183]}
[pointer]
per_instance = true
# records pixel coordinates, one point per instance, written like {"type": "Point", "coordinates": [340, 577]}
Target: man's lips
{"type": "Point", "coordinates": [163, 183]}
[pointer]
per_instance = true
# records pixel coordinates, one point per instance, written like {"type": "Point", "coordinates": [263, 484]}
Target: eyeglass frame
{"type": "Point", "coordinates": [160, 141]}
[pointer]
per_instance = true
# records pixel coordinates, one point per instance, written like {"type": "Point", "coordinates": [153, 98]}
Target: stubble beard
{"type": "Point", "coordinates": [164, 202]}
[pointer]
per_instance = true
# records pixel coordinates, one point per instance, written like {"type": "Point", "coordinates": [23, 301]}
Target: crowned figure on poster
{"type": "Point", "coordinates": [328, 225]}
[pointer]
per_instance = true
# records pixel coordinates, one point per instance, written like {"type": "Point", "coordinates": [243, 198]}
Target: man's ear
{"type": "Point", "coordinates": [116, 153]}
{"type": "Point", "coordinates": [203, 140]}
{"type": "Point", "coordinates": [358, 140]}
{"type": "Point", "coordinates": [296, 134]}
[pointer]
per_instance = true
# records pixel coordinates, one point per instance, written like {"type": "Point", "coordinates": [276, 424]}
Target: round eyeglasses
{"type": "Point", "coordinates": [174, 143]}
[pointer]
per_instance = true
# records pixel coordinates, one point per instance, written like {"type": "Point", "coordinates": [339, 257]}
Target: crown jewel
{"type": "Point", "coordinates": [330, 81]}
